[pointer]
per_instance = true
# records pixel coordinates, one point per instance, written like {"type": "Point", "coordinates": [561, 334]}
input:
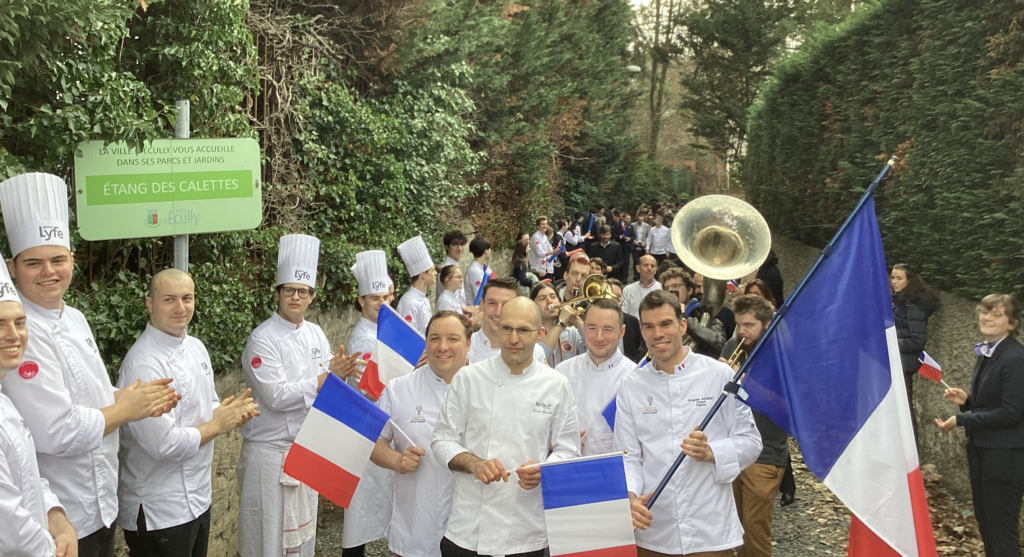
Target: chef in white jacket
{"type": "Point", "coordinates": [166, 484]}
{"type": "Point", "coordinates": [414, 305]}
{"type": "Point", "coordinates": [501, 417]}
{"type": "Point", "coordinates": [32, 520]}
{"type": "Point", "coordinates": [62, 389]}
{"type": "Point", "coordinates": [658, 408]}
{"type": "Point", "coordinates": [596, 374]}
{"type": "Point", "coordinates": [423, 487]}
{"type": "Point", "coordinates": [486, 342]}
{"type": "Point", "coordinates": [286, 361]}
{"type": "Point", "coordinates": [540, 249]}
{"type": "Point", "coordinates": [369, 512]}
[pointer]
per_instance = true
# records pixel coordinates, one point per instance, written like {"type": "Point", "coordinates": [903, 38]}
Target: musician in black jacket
{"type": "Point", "coordinates": [993, 417]}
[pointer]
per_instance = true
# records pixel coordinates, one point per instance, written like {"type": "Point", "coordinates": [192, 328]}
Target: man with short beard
{"type": "Point", "coordinates": [423, 488]}
{"type": "Point", "coordinates": [32, 520]}
{"type": "Point", "coordinates": [166, 486]}
{"type": "Point", "coordinates": [285, 362]}
{"type": "Point", "coordinates": [595, 375]}
{"type": "Point", "coordinates": [62, 388]}
{"type": "Point", "coordinates": [506, 413]}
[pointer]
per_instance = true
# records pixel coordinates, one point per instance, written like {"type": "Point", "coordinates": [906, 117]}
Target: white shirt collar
{"type": "Point", "coordinates": [282, 322]}
{"type": "Point", "coordinates": [610, 363]}
{"type": "Point", "coordinates": [688, 360]}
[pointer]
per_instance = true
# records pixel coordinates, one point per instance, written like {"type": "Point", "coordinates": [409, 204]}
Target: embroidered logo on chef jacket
{"type": "Point", "coordinates": [91, 344]}
{"type": "Point", "coordinates": [567, 346]}
{"type": "Point", "coordinates": [543, 407]}
{"type": "Point", "coordinates": [650, 408]}
{"type": "Point", "coordinates": [408, 318]}
{"type": "Point", "coordinates": [701, 401]}
{"type": "Point", "coordinates": [206, 368]}
{"type": "Point", "coordinates": [315, 353]}
{"type": "Point", "coordinates": [256, 362]}
{"type": "Point", "coordinates": [418, 418]}
{"type": "Point", "coordinates": [28, 369]}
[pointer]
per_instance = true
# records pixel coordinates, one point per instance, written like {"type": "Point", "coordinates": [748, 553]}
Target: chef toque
{"type": "Point", "coordinates": [35, 208]}
{"type": "Point", "coordinates": [7, 291]}
{"type": "Point", "coordinates": [415, 255]}
{"type": "Point", "coordinates": [371, 271]}
{"type": "Point", "coordinates": [297, 256]}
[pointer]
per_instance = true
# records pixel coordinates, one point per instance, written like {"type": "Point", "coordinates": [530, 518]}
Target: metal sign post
{"type": "Point", "coordinates": [181, 131]}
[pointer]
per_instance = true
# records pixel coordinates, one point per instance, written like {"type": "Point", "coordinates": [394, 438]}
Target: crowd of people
{"type": "Point", "coordinates": [512, 376]}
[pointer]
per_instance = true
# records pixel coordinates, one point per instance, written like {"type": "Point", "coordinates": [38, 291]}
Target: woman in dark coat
{"type": "Point", "coordinates": [770, 274]}
{"type": "Point", "coordinates": [993, 417]}
{"type": "Point", "coordinates": [913, 302]}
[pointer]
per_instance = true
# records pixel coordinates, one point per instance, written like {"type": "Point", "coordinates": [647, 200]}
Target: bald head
{"type": "Point", "coordinates": [522, 309]}
{"type": "Point", "coordinates": [168, 276]}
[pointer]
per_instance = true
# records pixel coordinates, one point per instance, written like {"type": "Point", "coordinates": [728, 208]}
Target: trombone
{"type": "Point", "coordinates": [595, 287]}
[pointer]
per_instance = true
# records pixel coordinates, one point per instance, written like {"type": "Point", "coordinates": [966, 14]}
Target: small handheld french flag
{"type": "Point", "coordinates": [733, 285]}
{"type": "Point", "coordinates": [399, 347]}
{"type": "Point", "coordinates": [586, 507]}
{"type": "Point", "coordinates": [930, 368]}
{"type": "Point", "coordinates": [334, 443]}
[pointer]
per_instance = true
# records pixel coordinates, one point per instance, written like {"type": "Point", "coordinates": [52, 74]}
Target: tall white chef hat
{"type": "Point", "coordinates": [7, 291]}
{"type": "Point", "coordinates": [297, 257]}
{"type": "Point", "coordinates": [35, 208]}
{"type": "Point", "coordinates": [415, 256]}
{"type": "Point", "coordinates": [371, 271]}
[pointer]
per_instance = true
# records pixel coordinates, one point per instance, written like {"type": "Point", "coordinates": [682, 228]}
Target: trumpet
{"type": "Point", "coordinates": [595, 287]}
{"type": "Point", "coordinates": [739, 355]}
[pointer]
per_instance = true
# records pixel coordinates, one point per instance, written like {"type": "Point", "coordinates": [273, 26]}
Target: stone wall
{"type": "Point", "coordinates": [952, 334]}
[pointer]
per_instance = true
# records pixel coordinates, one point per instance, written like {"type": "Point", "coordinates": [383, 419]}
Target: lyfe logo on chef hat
{"type": "Point", "coordinates": [35, 209]}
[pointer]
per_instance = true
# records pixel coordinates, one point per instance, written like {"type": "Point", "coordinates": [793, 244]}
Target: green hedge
{"type": "Point", "coordinates": [937, 83]}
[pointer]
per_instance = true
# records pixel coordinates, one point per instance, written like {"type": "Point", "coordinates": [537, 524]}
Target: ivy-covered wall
{"type": "Point", "coordinates": [935, 82]}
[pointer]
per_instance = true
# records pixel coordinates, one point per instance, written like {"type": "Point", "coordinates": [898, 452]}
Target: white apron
{"type": "Point", "coordinates": [261, 503]}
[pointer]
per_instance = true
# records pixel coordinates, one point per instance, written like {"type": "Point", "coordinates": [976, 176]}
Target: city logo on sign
{"type": "Point", "coordinates": [152, 219]}
{"type": "Point", "coordinates": [50, 232]}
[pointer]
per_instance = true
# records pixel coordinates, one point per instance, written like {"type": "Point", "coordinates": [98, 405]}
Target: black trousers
{"type": "Point", "coordinates": [449, 549]}
{"type": "Point", "coordinates": [997, 486]}
{"type": "Point", "coordinates": [98, 544]}
{"type": "Point", "coordinates": [185, 540]}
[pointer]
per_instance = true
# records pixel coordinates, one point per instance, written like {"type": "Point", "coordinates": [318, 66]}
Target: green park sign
{"type": "Point", "coordinates": [169, 187]}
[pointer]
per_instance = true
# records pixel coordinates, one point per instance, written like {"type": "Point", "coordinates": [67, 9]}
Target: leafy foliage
{"type": "Point", "coordinates": [936, 83]}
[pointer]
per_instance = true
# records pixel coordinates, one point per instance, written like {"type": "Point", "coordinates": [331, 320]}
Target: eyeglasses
{"type": "Point", "coordinates": [521, 332]}
{"type": "Point", "coordinates": [288, 292]}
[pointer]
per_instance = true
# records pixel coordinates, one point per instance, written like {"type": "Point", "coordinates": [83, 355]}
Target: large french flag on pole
{"type": "Point", "coordinates": [334, 443]}
{"type": "Point", "coordinates": [586, 507]}
{"type": "Point", "coordinates": [828, 372]}
{"type": "Point", "coordinates": [399, 347]}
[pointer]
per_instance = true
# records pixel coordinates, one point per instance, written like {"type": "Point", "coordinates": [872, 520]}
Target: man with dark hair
{"type": "Point", "coordinates": [423, 488]}
{"type": "Point", "coordinates": [454, 247]}
{"type": "Point", "coordinates": [709, 339]}
{"type": "Point", "coordinates": [595, 375]}
{"type": "Point", "coordinates": [485, 342]}
{"type": "Point", "coordinates": [609, 252]}
{"type": "Point", "coordinates": [481, 250]}
{"type": "Point", "coordinates": [658, 408]}
{"type": "Point", "coordinates": [757, 484]}
{"type": "Point", "coordinates": [508, 410]}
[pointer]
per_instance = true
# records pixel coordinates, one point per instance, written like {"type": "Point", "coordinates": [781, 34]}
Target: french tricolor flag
{"type": "Point", "coordinates": [829, 373]}
{"type": "Point", "coordinates": [334, 443]}
{"type": "Point", "coordinates": [586, 507]}
{"type": "Point", "coordinates": [399, 347]}
{"type": "Point", "coordinates": [930, 368]}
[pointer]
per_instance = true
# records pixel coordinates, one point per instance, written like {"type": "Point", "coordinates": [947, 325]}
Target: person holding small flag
{"type": "Point", "coordinates": [166, 487]}
{"type": "Point", "coordinates": [62, 389]}
{"type": "Point", "coordinates": [414, 306]}
{"type": "Point", "coordinates": [993, 417]}
{"type": "Point", "coordinates": [596, 374]}
{"type": "Point", "coordinates": [423, 488]}
{"type": "Point", "coordinates": [503, 416]}
{"type": "Point", "coordinates": [32, 520]}
{"type": "Point", "coordinates": [757, 484]}
{"type": "Point", "coordinates": [285, 362]}
{"type": "Point", "coordinates": [487, 341]}
{"type": "Point", "coordinates": [480, 248]}
{"type": "Point", "coordinates": [659, 407]}
{"type": "Point", "coordinates": [375, 290]}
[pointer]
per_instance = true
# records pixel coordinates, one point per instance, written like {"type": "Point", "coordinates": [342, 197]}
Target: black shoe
{"type": "Point", "coordinates": [787, 499]}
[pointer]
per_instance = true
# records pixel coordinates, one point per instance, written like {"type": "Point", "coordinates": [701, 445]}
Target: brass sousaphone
{"type": "Point", "coordinates": [722, 238]}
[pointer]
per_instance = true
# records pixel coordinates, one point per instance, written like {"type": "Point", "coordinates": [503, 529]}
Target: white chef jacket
{"type": "Point", "coordinates": [472, 280]}
{"type": "Point", "coordinates": [452, 301]}
{"type": "Point", "coordinates": [658, 240]}
{"type": "Point", "coordinates": [414, 307]}
{"type": "Point", "coordinates": [513, 418]}
{"type": "Point", "coordinates": [59, 390]}
{"type": "Point", "coordinates": [570, 345]}
{"type": "Point", "coordinates": [634, 293]}
{"type": "Point", "coordinates": [423, 497]}
{"type": "Point", "coordinates": [539, 246]}
{"type": "Point", "coordinates": [594, 387]}
{"type": "Point", "coordinates": [281, 365]}
{"type": "Point", "coordinates": [656, 411]}
{"type": "Point", "coordinates": [480, 349]}
{"type": "Point", "coordinates": [439, 288]}
{"type": "Point", "coordinates": [25, 497]}
{"type": "Point", "coordinates": [164, 468]}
